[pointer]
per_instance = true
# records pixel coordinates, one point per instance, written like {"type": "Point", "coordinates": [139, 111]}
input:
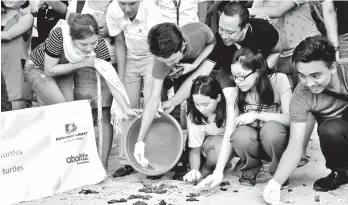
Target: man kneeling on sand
{"type": "Point", "coordinates": [323, 91]}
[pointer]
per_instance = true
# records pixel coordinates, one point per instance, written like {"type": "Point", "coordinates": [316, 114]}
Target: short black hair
{"type": "Point", "coordinates": [315, 48]}
{"type": "Point", "coordinates": [165, 39]}
{"type": "Point", "coordinates": [25, 5]}
{"type": "Point", "coordinates": [235, 8]}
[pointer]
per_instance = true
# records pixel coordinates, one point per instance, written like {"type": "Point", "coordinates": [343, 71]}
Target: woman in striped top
{"type": "Point", "coordinates": [48, 71]}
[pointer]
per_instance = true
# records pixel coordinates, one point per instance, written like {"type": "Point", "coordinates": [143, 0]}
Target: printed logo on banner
{"type": "Point", "coordinates": [72, 134]}
{"type": "Point", "coordinates": [78, 159]}
{"type": "Point", "coordinates": [69, 128]}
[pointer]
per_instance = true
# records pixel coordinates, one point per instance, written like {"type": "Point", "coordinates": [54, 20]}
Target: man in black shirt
{"type": "Point", "coordinates": [237, 29]}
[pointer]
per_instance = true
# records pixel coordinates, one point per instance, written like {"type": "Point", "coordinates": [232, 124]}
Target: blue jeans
{"type": "Point", "coordinates": [49, 89]}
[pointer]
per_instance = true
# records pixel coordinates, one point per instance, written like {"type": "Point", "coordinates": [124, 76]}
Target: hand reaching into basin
{"type": "Point", "coordinates": [139, 154]}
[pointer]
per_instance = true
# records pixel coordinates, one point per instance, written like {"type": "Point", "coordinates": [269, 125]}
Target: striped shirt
{"type": "Point", "coordinates": [53, 46]}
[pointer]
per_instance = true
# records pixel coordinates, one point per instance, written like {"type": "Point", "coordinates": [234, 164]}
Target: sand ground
{"type": "Point", "coordinates": [298, 192]}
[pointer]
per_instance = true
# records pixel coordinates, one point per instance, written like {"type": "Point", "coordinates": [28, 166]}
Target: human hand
{"type": "Point", "coordinates": [87, 62]}
{"type": "Point", "coordinates": [246, 118]}
{"type": "Point", "coordinates": [176, 72]}
{"type": "Point", "coordinates": [167, 106]}
{"type": "Point", "coordinates": [104, 31]}
{"type": "Point", "coordinates": [188, 67]}
{"type": "Point", "coordinates": [271, 193]}
{"type": "Point", "coordinates": [139, 152]}
{"type": "Point", "coordinates": [192, 175]}
{"type": "Point", "coordinates": [133, 112]}
{"type": "Point", "coordinates": [213, 179]}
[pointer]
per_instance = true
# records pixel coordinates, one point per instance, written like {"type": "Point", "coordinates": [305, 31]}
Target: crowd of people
{"type": "Point", "coordinates": [253, 89]}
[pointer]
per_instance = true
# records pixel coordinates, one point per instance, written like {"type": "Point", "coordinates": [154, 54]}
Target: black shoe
{"type": "Point", "coordinates": [124, 170]}
{"type": "Point", "coordinates": [180, 172]}
{"type": "Point", "coordinates": [331, 182]}
{"type": "Point", "coordinates": [154, 177]}
{"type": "Point", "coordinates": [248, 180]}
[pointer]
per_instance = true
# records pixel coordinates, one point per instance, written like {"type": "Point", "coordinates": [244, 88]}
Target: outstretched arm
{"type": "Point", "coordinates": [151, 108]}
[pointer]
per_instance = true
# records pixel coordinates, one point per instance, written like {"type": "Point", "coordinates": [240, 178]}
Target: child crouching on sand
{"type": "Point", "coordinates": [205, 125]}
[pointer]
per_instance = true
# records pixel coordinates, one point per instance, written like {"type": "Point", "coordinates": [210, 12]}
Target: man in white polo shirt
{"type": "Point", "coordinates": [129, 22]}
{"type": "Point", "coordinates": [182, 12]}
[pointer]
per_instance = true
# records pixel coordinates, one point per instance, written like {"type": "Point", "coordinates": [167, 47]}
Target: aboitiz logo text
{"type": "Point", "coordinates": [78, 159]}
{"type": "Point", "coordinates": [70, 130]}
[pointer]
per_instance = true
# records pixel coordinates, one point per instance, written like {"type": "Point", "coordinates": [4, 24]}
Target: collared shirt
{"type": "Point", "coordinates": [135, 31]}
{"type": "Point", "coordinates": [188, 10]}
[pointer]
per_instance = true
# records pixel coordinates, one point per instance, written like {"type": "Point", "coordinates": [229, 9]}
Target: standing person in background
{"type": "Point", "coordinates": [335, 18]}
{"type": "Point", "coordinates": [85, 79]}
{"type": "Point", "coordinates": [49, 13]}
{"type": "Point", "coordinates": [129, 22]}
{"type": "Point", "coordinates": [182, 12]}
{"type": "Point", "coordinates": [294, 23]}
{"type": "Point", "coordinates": [16, 30]}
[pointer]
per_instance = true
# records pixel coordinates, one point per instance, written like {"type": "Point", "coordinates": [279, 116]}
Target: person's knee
{"type": "Point", "coordinates": [214, 144]}
{"type": "Point", "coordinates": [243, 137]}
{"type": "Point", "coordinates": [272, 132]}
{"type": "Point", "coordinates": [333, 130]}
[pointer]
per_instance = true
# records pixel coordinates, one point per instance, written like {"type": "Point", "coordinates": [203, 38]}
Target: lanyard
{"type": "Point", "coordinates": [177, 6]}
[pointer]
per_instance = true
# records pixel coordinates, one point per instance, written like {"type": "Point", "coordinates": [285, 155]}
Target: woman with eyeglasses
{"type": "Point", "coordinates": [257, 126]}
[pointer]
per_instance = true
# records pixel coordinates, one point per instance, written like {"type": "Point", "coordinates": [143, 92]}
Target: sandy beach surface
{"type": "Point", "coordinates": [299, 191]}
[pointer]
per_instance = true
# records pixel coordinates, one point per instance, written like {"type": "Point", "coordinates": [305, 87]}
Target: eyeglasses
{"type": "Point", "coordinates": [240, 78]}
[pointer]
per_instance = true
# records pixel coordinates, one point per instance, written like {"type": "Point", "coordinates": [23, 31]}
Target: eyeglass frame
{"type": "Point", "coordinates": [232, 77]}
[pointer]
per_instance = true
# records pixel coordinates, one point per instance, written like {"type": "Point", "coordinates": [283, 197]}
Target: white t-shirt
{"type": "Point", "coordinates": [188, 11]}
{"type": "Point", "coordinates": [136, 31]}
{"type": "Point", "coordinates": [197, 133]}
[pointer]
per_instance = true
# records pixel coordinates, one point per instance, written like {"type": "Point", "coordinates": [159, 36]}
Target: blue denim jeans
{"type": "Point", "coordinates": [49, 89]}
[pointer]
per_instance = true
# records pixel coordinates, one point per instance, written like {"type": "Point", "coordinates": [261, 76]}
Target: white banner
{"type": "Point", "coordinates": [47, 150]}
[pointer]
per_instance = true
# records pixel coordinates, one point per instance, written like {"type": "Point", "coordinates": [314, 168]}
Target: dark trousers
{"type": "Point", "coordinates": [333, 136]}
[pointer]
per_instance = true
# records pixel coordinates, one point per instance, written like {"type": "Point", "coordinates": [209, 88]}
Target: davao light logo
{"type": "Point", "coordinates": [78, 159]}
{"type": "Point", "coordinates": [71, 134]}
{"type": "Point", "coordinates": [69, 128]}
